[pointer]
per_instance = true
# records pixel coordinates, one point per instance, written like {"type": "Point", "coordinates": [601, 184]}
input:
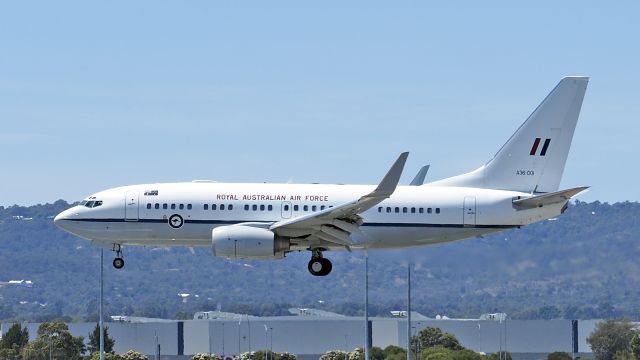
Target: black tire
{"type": "Point", "coordinates": [319, 266]}
{"type": "Point", "coordinates": [118, 263]}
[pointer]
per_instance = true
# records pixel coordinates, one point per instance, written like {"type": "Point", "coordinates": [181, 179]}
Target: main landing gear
{"type": "Point", "coordinates": [118, 262]}
{"type": "Point", "coordinates": [318, 265]}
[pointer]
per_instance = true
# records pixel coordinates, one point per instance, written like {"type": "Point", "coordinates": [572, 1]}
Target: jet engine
{"type": "Point", "coordinates": [247, 242]}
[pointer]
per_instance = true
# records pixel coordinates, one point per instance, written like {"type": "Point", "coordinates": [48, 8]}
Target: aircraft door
{"type": "Point", "coordinates": [286, 209]}
{"type": "Point", "coordinates": [131, 206]}
{"type": "Point", "coordinates": [469, 211]}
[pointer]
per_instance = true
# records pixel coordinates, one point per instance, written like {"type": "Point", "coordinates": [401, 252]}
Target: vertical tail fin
{"type": "Point", "coordinates": [533, 159]}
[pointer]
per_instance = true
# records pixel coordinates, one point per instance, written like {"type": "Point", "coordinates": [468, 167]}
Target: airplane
{"type": "Point", "coordinates": [517, 187]}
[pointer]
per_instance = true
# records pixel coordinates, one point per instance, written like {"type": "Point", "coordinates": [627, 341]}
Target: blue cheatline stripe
{"type": "Point", "coordinates": [371, 224]}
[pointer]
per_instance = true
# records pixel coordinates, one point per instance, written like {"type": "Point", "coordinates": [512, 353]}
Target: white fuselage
{"type": "Point", "coordinates": [413, 215]}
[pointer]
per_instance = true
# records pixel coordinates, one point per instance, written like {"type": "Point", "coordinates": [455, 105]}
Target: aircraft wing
{"type": "Point", "coordinates": [548, 198]}
{"type": "Point", "coordinates": [336, 224]}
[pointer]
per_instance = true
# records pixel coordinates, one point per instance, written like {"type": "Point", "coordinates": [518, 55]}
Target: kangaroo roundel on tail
{"type": "Point", "coordinates": [533, 159]}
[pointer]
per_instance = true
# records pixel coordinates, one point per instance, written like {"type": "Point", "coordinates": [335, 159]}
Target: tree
{"type": "Point", "coordinates": [500, 355]}
{"type": "Point", "coordinates": [436, 353]}
{"type": "Point", "coordinates": [54, 338]}
{"type": "Point", "coordinates": [635, 345]}
{"type": "Point", "coordinates": [107, 356]}
{"type": "Point", "coordinates": [334, 355]}
{"type": "Point", "coordinates": [9, 354]}
{"type": "Point", "coordinates": [356, 354]}
{"type": "Point", "coordinates": [206, 356]}
{"type": "Point", "coordinates": [94, 340]}
{"type": "Point", "coordinates": [133, 355]}
{"type": "Point", "coordinates": [431, 336]}
{"type": "Point", "coordinates": [559, 355]}
{"type": "Point", "coordinates": [466, 354]}
{"type": "Point", "coordinates": [393, 352]}
{"type": "Point", "coordinates": [260, 355]}
{"type": "Point", "coordinates": [15, 338]}
{"type": "Point", "coordinates": [624, 355]}
{"type": "Point", "coordinates": [376, 353]}
{"type": "Point", "coordinates": [610, 337]}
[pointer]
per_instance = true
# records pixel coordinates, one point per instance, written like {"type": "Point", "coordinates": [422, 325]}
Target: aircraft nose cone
{"type": "Point", "coordinates": [58, 220]}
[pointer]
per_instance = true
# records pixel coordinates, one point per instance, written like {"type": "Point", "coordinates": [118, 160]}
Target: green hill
{"type": "Point", "coordinates": [582, 265]}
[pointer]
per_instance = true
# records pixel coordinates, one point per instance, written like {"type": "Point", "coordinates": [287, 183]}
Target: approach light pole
{"type": "Point", "coordinates": [266, 334]}
{"type": "Point", "coordinates": [101, 300]}
{"type": "Point", "coordinates": [239, 323]}
{"type": "Point", "coordinates": [409, 311]}
{"type": "Point", "coordinates": [249, 331]}
{"type": "Point", "coordinates": [271, 347]}
{"type": "Point", "coordinates": [366, 304]}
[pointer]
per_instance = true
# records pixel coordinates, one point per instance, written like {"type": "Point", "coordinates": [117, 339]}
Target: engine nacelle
{"type": "Point", "coordinates": [247, 242]}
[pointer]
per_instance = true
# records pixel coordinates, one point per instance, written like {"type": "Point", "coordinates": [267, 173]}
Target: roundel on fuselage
{"type": "Point", "coordinates": [176, 221]}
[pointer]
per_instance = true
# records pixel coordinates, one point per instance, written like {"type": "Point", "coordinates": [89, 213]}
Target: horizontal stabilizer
{"type": "Point", "coordinates": [548, 198]}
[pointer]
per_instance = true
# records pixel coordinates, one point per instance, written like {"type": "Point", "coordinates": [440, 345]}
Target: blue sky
{"type": "Point", "coordinates": [98, 95]}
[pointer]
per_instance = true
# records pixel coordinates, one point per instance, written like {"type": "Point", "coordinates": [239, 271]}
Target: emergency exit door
{"type": "Point", "coordinates": [131, 206]}
{"type": "Point", "coordinates": [469, 211]}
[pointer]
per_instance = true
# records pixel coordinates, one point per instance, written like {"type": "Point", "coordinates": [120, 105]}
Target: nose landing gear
{"type": "Point", "coordinates": [118, 262]}
{"type": "Point", "coordinates": [318, 265]}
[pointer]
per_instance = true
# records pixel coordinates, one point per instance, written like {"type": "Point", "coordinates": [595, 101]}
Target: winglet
{"type": "Point", "coordinates": [419, 179]}
{"type": "Point", "coordinates": [390, 181]}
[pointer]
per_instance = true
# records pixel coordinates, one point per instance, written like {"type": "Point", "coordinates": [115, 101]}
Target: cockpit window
{"type": "Point", "coordinates": [91, 203]}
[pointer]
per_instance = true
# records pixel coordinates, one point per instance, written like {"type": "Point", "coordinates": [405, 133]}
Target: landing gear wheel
{"type": "Point", "coordinates": [118, 263]}
{"type": "Point", "coordinates": [319, 266]}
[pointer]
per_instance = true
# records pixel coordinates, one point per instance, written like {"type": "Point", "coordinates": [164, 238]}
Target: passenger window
{"type": "Point", "coordinates": [404, 210]}
{"type": "Point", "coordinates": [246, 207]}
{"type": "Point", "coordinates": [305, 208]}
{"type": "Point", "coordinates": [295, 207]}
{"type": "Point", "coordinates": [148, 206]}
{"type": "Point", "coordinates": [157, 206]}
{"type": "Point", "coordinates": [413, 210]}
{"type": "Point", "coordinates": [206, 207]}
{"type": "Point", "coordinates": [181, 206]}
{"type": "Point", "coordinates": [173, 206]}
{"type": "Point", "coordinates": [313, 208]}
{"type": "Point", "coordinates": [164, 206]}
{"type": "Point", "coordinates": [270, 207]}
{"type": "Point", "coordinates": [437, 210]}
{"type": "Point", "coordinates": [429, 211]}
{"type": "Point", "coordinates": [397, 209]}
{"type": "Point", "coordinates": [286, 208]}
{"type": "Point", "coordinates": [254, 207]}
{"type": "Point", "coordinates": [230, 207]}
{"type": "Point", "coordinates": [379, 208]}
{"type": "Point", "coordinates": [189, 206]}
{"type": "Point", "coordinates": [421, 210]}
{"type": "Point", "coordinates": [221, 206]}
{"type": "Point", "coordinates": [261, 207]}
{"type": "Point", "coordinates": [213, 206]}
{"type": "Point", "coordinates": [388, 209]}
{"type": "Point", "coordinates": [322, 207]}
